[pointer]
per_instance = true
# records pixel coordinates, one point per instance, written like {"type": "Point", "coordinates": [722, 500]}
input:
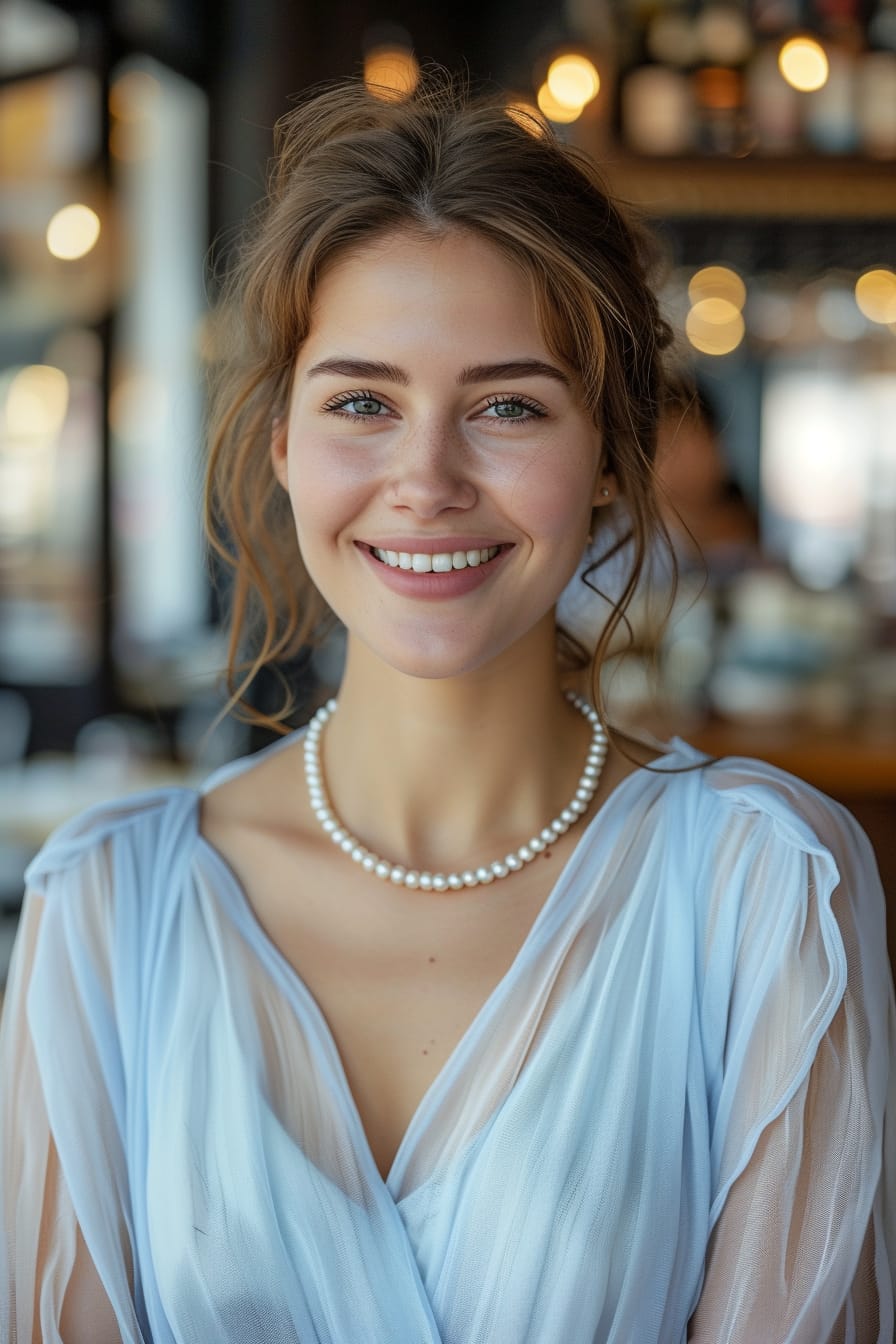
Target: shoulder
{"type": "Point", "coordinates": [142, 825]}
{"type": "Point", "coordinates": [730, 790]}
{"type": "Point", "coordinates": [788, 810]}
{"type": "Point", "coordinates": [753, 847]}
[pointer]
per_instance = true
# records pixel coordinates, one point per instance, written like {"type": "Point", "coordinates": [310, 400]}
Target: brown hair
{"type": "Point", "coordinates": [349, 166]}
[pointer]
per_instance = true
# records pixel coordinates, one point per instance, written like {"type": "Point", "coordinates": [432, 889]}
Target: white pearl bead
{"type": "Point", "coordinates": [468, 878]}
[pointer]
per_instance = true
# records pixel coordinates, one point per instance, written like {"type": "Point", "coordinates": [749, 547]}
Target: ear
{"type": "Point", "coordinates": [606, 489]}
{"type": "Point", "coordinates": [279, 434]}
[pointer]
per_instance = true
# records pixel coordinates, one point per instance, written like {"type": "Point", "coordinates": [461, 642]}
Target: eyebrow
{"type": "Point", "coordinates": [473, 373]}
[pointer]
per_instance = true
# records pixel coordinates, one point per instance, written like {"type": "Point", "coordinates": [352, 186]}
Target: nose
{"type": "Point", "coordinates": [429, 473]}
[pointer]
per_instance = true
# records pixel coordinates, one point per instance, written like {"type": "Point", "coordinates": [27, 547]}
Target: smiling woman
{"type": "Point", "coordinates": [497, 461]}
{"type": "Point", "coordinates": [444, 1020]}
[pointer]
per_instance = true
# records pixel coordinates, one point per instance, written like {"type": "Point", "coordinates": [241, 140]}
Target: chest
{"type": "Point", "coordinates": [398, 976]}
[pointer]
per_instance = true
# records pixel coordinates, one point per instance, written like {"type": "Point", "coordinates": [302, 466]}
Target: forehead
{"type": "Point", "coordinates": [401, 281]}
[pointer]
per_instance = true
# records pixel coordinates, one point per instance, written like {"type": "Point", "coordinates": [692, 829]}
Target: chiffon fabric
{"type": "Point", "coordinates": [672, 1119]}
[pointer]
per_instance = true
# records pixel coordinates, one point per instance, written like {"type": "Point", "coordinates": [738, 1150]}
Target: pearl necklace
{"type": "Point", "coordinates": [471, 877]}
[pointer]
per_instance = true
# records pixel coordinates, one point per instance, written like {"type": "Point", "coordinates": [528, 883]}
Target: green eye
{"type": "Point", "coordinates": [357, 405]}
{"type": "Point", "coordinates": [514, 408]}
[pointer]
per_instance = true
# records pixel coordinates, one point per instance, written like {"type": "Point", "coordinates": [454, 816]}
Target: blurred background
{"type": "Point", "coordinates": [758, 135]}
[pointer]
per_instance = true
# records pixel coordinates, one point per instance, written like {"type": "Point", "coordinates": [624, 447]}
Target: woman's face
{"type": "Point", "coordinates": [440, 465]}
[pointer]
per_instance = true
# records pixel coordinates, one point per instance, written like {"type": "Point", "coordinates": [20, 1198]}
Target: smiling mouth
{"type": "Point", "coordinates": [442, 562]}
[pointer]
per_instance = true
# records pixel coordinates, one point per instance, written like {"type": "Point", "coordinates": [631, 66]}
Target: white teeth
{"type": "Point", "coordinates": [423, 562]}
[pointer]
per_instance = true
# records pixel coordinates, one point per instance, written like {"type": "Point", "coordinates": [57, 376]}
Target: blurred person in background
{"type": "Point", "coordinates": [456, 1016]}
{"type": "Point", "coordinates": [708, 516]}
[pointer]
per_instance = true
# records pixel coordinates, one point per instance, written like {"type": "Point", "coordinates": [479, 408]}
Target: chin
{"type": "Point", "coordinates": [437, 660]}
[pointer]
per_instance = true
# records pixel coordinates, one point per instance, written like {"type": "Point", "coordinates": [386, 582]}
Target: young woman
{"type": "Point", "coordinates": [447, 1021]}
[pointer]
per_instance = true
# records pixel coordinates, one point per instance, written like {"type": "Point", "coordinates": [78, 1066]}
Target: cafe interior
{"type": "Point", "coordinates": [759, 139]}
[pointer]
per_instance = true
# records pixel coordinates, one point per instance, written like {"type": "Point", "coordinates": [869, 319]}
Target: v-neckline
{"type": "Point", "coordinates": [246, 917]}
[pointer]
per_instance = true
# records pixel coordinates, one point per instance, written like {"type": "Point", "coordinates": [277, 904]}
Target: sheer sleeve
{"type": "Point", "coordinates": [802, 1238]}
{"type": "Point", "coordinates": [65, 1254]}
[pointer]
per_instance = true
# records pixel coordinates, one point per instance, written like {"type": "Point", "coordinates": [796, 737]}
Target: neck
{"type": "Point", "coordinates": [444, 773]}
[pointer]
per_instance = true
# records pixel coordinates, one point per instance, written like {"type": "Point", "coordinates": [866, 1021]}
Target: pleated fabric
{"type": "Point", "coordinates": [671, 1120]}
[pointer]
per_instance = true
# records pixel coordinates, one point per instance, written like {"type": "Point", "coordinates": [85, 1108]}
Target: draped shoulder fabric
{"type": "Point", "coordinates": [671, 1120]}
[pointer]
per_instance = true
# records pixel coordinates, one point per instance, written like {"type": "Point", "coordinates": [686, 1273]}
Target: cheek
{"type": "Point", "coordinates": [555, 496]}
{"type": "Point", "coordinates": [326, 488]}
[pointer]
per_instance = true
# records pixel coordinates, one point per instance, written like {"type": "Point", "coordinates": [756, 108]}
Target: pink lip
{"type": "Point", "coordinates": [456, 583]}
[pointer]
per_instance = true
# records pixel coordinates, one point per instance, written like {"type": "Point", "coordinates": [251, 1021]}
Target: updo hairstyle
{"type": "Point", "coordinates": [348, 168]}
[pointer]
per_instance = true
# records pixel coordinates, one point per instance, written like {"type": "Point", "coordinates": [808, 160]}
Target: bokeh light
{"type": "Point", "coordinates": [803, 63]}
{"type": "Point", "coordinates": [391, 73]}
{"type": "Point", "coordinates": [876, 295]}
{"type": "Point", "coordinates": [573, 81]}
{"type": "Point", "coordinates": [36, 402]}
{"type": "Point", "coordinates": [715, 326]}
{"type": "Point", "coordinates": [72, 232]}
{"type": "Point", "coordinates": [717, 282]}
{"type": "Point", "coordinates": [554, 111]}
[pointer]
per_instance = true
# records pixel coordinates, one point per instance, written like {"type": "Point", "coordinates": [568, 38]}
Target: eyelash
{"type": "Point", "coordinates": [535, 411]}
{"type": "Point", "coordinates": [346, 398]}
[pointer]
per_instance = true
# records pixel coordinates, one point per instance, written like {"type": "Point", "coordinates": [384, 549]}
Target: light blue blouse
{"type": "Point", "coordinates": [671, 1120]}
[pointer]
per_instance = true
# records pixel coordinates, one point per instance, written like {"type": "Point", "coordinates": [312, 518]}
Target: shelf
{"type": "Point", "coordinates": [839, 188]}
{"type": "Point", "coordinates": [841, 764]}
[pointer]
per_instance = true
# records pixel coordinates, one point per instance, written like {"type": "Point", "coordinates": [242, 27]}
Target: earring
{"type": "Point", "coordinates": [605, 492]}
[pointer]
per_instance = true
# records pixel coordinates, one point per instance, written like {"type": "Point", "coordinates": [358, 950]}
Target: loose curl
{"type": "Point", "coordinates": [349, 167]}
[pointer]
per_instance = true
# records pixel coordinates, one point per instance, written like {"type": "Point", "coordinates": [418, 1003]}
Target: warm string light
{"type": "Point", "coordinates": [572, 82]}
{"type": "Point", "coordinates": [73, 232]}
{"type": "Point", "coordinates": [391, 72]}
{"type": "Point", "coordinates": [875, 293]}
{"type": "Point", "coordinates": [715, 324]}
{"type": "Point", "coordinates": [804, 64]}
